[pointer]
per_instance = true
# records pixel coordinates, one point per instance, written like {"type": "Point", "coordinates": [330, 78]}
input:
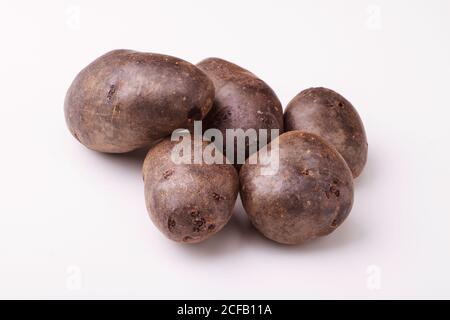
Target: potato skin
{"type": "Point", "coordinates": [126, 100]}
{"type": "Point", "coordinates": [242, 100]}
{"type": "Point", "coordinates": [188, 202]}
{"type": "Point", "coordinates": [309, 196]}
{"type": "Point", "coordinates": [333, 118]}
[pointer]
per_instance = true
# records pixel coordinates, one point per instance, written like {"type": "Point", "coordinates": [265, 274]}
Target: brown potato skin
{"type": "Point", "coordinates": [332, 117]}
{"type": "Point", "coordinates": [126, 100]}
{"type": "Point", "coordinates": [309, 196]}
{"type": "Point", "coordinates": [242, 100]}
{"type": "Point", "coordinates": [188, 202]}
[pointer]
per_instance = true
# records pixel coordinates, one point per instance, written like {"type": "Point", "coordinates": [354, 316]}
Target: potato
{"type": "Point", "coordinates": [242, 101]}
{"type": "Point", "coordinates": [127, 100]}
{"type": "Point", "coordinates": [329, 115]}
{"type": "Point", "coordinates": [188, 202]}
{"type": "Point", "coordinates": [309, 196]}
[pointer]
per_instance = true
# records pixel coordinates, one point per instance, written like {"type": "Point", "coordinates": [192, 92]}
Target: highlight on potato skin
{"type": "Point", "coordinates": [188, 203]}
{"type": "Point", "coordinates": [126, 100]}
{"type": "Point", "coordinates": [242, 101]}
{"type": "Point", "coordinates": [309, 196]}
{"type": "Point", "coordinates": [329, 115]}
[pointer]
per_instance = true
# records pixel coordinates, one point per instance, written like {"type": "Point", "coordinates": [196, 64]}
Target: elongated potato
{"type": "Point", "coordinates": [309, 196]}
{"type": "Point", "coordinates": [242, 101]}
{"type": "Point", "coordinates": [188, 202]}
{"type": "Point", "coordinates": [333, 118]}
{"type": "Point", "coordinates": [126, 100]}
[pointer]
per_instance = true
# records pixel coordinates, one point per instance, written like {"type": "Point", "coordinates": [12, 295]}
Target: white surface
{"type": "Point", "coordinates": [73, 222]}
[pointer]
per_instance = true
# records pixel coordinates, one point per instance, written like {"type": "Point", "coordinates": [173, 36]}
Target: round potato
{"type": "Point", "coordinates": [188, 202]}
{"type": "Point", "coordinates": [333, 118]}
{"type": "Point", "coordinates": [127, 100]}
{"type": "Point", "coordinates": [242, 101]}
{"type": "Point", "coordinates": [309, 195]}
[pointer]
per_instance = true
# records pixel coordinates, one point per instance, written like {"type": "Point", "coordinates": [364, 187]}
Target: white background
{"type": "Point", "coordinates": [73, 222]}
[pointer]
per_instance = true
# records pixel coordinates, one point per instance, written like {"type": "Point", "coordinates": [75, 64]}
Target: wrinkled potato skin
{"type": "Point", "coordinates": [188, 202]}
{"type": "Point", "coordinates": [333, 118]}
{"type": "Point", "coordinates": [242, 100]}
{"type": "Point", "coordinates": [309, 196]}
{"type": "Point", "coordinates": [125, 100]}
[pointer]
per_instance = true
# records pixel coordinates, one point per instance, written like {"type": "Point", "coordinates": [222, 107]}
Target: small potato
{"type": "Point", "coordinates": [329, 115]}
{"type": "Point", "coordinates": [188, 202]}
{"type": "Point", "coordinates": [309, 196]}
{"type": "Point", "coordinates": [127, 100]}
{"type": "Point", "coordinates": [242, 101]}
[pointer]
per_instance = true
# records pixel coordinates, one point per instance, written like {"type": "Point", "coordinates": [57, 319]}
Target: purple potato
{"type": "Point", "coordinates": [188, 202]}
{"type": "Point", "coordinates": [126, 100]}
{"type": "Point", "coordinates": [330, 116]}
{"type": "Point", "coordinates": [309, 196]}
{"type": "Point", "coordinates": [242, 101]}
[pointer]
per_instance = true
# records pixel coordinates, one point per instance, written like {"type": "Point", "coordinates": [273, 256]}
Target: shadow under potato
{"type": "Point", "coordinates": [239, 233]}
{"type": "Point", "coordinates": [131, 160]}
{"type": "Point", "coordinates": [369, 174]}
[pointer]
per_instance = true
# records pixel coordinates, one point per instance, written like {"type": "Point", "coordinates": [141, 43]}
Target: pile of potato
{"type": "Point", "coordinates": [127, 100]}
